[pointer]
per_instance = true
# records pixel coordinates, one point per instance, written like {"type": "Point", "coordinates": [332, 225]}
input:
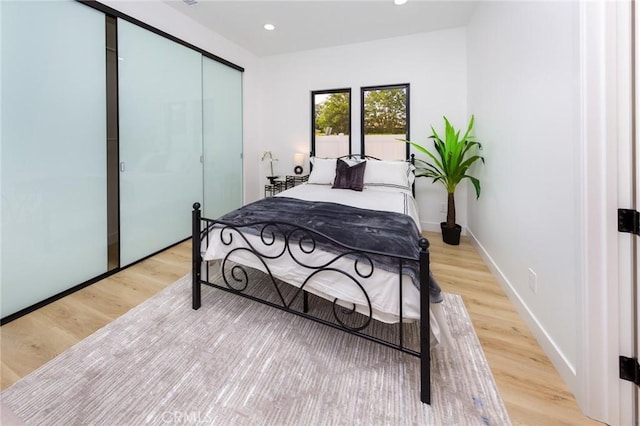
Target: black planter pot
{"type": "Point", "coordinates": [450, 235]}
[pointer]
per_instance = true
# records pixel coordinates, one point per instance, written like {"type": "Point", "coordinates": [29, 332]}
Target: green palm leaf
{"type": "Point", "coordinates": [451, 159]}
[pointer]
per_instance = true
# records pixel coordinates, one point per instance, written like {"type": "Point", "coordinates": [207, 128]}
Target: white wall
{"type": "Point", "coordinates": [433, 63]}
{"type": "Point", "coordinates": [165, 18]}
{"type": "Point", "coordinates": [524, 75]}
{"type": "Point", "coordinates": [277, 98]}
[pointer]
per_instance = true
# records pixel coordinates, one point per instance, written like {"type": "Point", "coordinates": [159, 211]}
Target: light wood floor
{"type": "Point", "coordinates": [532, 390]}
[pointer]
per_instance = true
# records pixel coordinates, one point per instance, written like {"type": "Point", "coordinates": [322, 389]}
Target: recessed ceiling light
{"type": "Point", "coordinates": [399, 2]}
{"type": "Point", "coordinates": [269, 27]}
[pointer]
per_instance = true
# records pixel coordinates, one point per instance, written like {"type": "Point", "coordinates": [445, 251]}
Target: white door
{"type": "Point", "coordinates": [612, 182]}
{"type": "Point", "coordinates": [160, 124]}
{"type": "Point", "coordinates": [628, 194]}
{"type": "Point", "coordinates": [222, 137]}
{"type": "Point", "coordinates": [636, 142]}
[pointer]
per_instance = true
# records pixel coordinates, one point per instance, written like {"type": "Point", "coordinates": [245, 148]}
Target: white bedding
{"type": "Point", "coordinates": [391, 200]}
{"type": "Point", "coordinates": [382, 286]}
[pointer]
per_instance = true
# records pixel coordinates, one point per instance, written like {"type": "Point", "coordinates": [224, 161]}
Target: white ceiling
{"type": "Point", "coordinates": [311, 24]}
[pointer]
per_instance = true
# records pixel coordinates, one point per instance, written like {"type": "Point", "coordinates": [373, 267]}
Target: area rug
{"type": "Point", "coordinates": [236, 362]}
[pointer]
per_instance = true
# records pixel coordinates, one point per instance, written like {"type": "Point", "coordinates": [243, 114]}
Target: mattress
{"type": "Point", "coordinates": [382, 287]}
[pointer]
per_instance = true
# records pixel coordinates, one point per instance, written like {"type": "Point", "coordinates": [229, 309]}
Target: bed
{"type": "Point", "coordinates": [349, 238]}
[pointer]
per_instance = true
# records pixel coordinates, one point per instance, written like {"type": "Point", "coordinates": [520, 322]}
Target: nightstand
{"type": "Point", "coordinates": [280, 185]}
{"type": "Point", "coordinates": [275, 188]}
{"type": "Point", "coordinates": [293, 180]}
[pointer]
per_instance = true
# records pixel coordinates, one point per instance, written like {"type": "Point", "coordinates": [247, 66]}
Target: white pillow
{"type": "Point", "coordinates": [323, 172]}
{"type": "Point", "coordinates": [381, 173]}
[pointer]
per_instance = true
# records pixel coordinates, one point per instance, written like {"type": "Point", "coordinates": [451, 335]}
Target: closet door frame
{"type": "Point", "coordinates": [117, 14]}
{"type": "Point", "coordinates": [115, 250]}
{"type": "Point", "coordinates": [113, 256]}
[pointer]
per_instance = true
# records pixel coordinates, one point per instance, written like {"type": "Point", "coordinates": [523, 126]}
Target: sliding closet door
{"type": "Point", "coordinates": [222, 115]}
{"type": "Point", "coordinates": [160, 120]}
{"type": "Point", "coordinates": [53, 176]}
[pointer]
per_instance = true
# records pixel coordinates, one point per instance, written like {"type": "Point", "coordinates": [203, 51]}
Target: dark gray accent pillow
{"type": "Point", "coordinates": [349, 177]}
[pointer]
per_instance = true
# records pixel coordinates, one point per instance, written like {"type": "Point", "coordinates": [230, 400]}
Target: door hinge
{"type": "Point", "coordinates": [630, 370]}
{"type": "Point", "coordinates": [629, 221]}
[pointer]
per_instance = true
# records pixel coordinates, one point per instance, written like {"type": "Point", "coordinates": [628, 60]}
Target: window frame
{"type": "Point", "coordinates": [365, 89]}
{"type": "Point", "coordinates": [313, 115]}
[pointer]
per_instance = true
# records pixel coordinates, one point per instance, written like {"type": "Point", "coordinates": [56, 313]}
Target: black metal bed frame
{"type": "Point", "coordinates": [300, 243]}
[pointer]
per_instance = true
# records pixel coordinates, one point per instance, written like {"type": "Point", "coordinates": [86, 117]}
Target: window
{"type": "Point", "coordinates": [331, 123]}
{"type": "Point", "coordinates": [384, 120]}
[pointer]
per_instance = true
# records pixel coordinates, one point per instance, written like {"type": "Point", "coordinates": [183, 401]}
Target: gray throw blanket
{"type": "Point", "coordinates": [379, 232]}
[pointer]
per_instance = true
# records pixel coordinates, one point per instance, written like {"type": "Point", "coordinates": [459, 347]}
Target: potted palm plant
{"type": "Point", "coordinates": [449, 166]}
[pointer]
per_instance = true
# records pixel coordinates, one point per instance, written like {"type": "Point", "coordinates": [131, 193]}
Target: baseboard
{"type": "Point", "coordinates": [430, 227]}
{"type": "Point", "coordinates": [564, 367]}
{"type": "Point", "coordinates": [435, 227]}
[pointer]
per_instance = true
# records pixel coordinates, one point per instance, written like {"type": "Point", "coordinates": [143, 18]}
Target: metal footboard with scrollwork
{"type": "Point", "coordinates": [264, 246]}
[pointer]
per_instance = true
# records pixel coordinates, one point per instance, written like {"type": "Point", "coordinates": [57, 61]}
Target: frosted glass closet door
{"type": "Point", "coordinates": [160, 119]}
{"type": "Point", "coordinates": [53, 178]}
{"type": "Point", "coordinates": [222, 114]}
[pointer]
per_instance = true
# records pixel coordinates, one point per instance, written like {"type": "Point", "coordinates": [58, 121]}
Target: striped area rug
{"type": "Point", "coordinates": [236, 362]}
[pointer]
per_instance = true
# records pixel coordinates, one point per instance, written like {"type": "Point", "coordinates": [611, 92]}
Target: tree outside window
{"type": "Point", "coordinates": [384, 120]}
{"type": "Point", "coordinates": [331, 135]}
